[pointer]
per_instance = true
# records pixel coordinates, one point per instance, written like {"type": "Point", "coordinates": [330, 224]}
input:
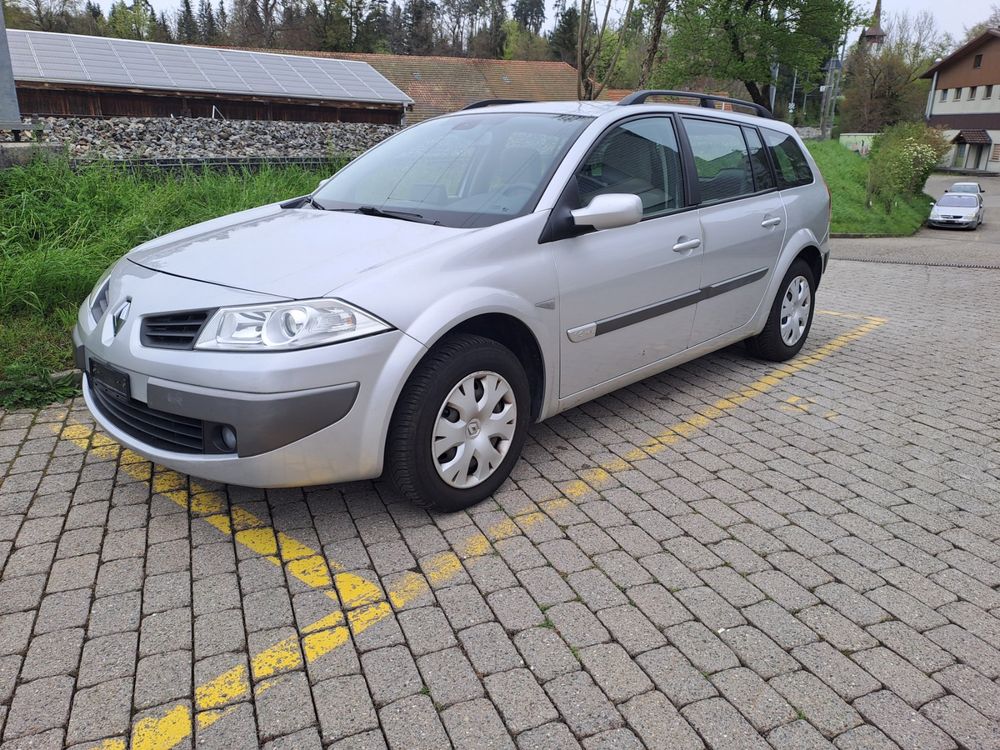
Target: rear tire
{"type": "Point", "coordinates": [459, 425]}
{"type": "Point", "coordinates": [790, 319]}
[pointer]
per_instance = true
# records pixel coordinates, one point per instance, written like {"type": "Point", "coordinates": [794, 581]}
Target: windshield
{"type": "Point", "coordinates": [958, 201]}
{"type": "Point", "coordinates": [965, 187]}
{"type": "Point", "coordinates": [470, 170]}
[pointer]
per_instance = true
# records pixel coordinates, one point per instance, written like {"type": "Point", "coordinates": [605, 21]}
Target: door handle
{"type": "Point", "coordinates": [772, 222]}
{"type": "Point", "coordinates": [683, 247]}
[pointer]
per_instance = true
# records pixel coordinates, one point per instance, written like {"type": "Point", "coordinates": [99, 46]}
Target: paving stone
{"type": "Point", "coordinates": [577, 625]}
{"type": "Point", "coordinates": [168, 631]}
{"type": "Point", "coordinates": [489, 649]}
{"type": "Point", "coordinates": [100, 711]}
{"type": "Point", "coordinates": [107, 658]}
{"type": "Point", "coordinates": [596, 590]}
{"type": "Point", "coordinates": [234, 729]}
{"type": "Point", "coordinates": [967, 648]}
{"type": "Point", "coordinates": [115, 614]}
{"type": "Point", "coordinates": [978, 691]}
{"type": "Point", "coordinates": [632, 629]}
{"type": "Point", "coordinates": [548, 737]}
{"type": "Point", "coordinates": [675, 676]}
{"type": "Point", "coordinates": [780, 625]}
{"type": "Point", "coordinates": [217, 633]}
{"type": "Point", "coordinates": [702, 647]}
{"type": "Point", "coordinates": [166, 591]}
{"type": "Point", "coordinates": [924, 654]}
{"type": "Point", "coordinates": [710, 608]}
{"type": "Point", "coordinates": [822, 707]}
{"type": "Point", "coordinates": [658, 723]}
{"type": "Point", "coordinates": [38, 706]}
{"type": "Point", "coordinates": [614, 671]}
{"type": "Point", "coordinates": [391, 674]}
{"type": "Point", "coordinates": [373, 740]}
{"type": "Point", "coordinates": [283, 705]}
{"type": "Point", "coordinates": [899, 676]}
{"type": "Point", "coordinates": [758, 652]}
{"type": "Point", "coordinates": [722, 726]}
{"type": "Point", "coordinates": [754, 698]}
{"type": "Point", "coordinates": [582, 705]}
{"type": "Point", "coordinates": [905, 607]}
{"type": "Point", "coordinates": [53, 654]}
{"type": "Point", "coordinates": [901, 723]}
{"type": "Point", "coordinates": [464, 606]}
{"type": "Point", "coordinates": [545, 653]}
{"type": "Point", "coordinates": [344, 707]}
{"type": "Point", "coordinates": [450, 677]}
{"type": "Point", "coordinates": [515, 609]}
{"type": "Point", "coordinates": [476, 725]}
{"type": "Point", "coordinates": [966, 725]}
{"type": "Point", "coordinates": [161, 678]}
{"type": "Point", "coordinates": [19, 594]}
{"type": "Point", "coordinates": [836, 670]}
{"type": "Point", "coordinates": [521, 702]}
{"type": "Point", "coordinates": [15, 632]}
{"type": "Point", "coordinates": [799, 735]}
{"type": "Point", "coordinates": [426, 630]}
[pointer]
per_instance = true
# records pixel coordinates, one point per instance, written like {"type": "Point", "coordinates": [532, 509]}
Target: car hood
{"type": "Point", "coordinates": [294, 253]}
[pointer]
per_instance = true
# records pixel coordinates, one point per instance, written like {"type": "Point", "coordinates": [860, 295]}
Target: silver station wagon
{"type": "Point", "coordinates": [466, 277]}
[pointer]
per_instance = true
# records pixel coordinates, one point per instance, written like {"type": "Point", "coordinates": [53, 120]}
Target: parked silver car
{"type": "Point", "coordinates": [468, 276]}
{"type": "Point", "coordinates": [963, 210]}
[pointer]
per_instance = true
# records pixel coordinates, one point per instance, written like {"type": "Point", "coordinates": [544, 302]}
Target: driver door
{"type": "Point", "coordinates": [627, 295]}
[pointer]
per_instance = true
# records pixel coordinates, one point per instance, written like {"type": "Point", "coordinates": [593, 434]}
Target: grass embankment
{"type": "Point", "coordinates": [60, 229]}
{"type": "Point", "coordinates": [846, 173]}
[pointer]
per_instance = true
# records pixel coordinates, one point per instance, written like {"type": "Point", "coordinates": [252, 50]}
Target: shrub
{"type": "Point", "coordinates": [901, 159]}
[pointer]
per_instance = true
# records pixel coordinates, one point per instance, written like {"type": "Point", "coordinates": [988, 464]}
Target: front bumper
{"type": "Point", "coordinates": [967, 222]}
{"type": "Point", "coordinates": [315, 416]}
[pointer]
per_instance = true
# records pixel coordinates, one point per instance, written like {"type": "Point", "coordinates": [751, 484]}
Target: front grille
{"type": "Point", "coordinates": [177, 330]}
{"type": "Point", "coordinates": [156, 428]}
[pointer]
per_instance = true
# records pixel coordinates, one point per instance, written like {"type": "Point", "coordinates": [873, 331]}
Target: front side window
{"type": "Point", "coordinates": [789, 161]}
{"type": "Point", "coordinates": [470, 170]}
{"type": "Point", "coordinates": [638, 157]}
{"type": "Point", "coordinates": [720, 158]}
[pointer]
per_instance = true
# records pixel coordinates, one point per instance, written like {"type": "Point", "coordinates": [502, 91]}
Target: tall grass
{"type": "Point", "coordinates": [846, 173]}
{"type": "Point", "coordinates": [60, 228]}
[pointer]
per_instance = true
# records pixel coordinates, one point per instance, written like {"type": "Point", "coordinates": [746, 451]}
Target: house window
{"type": "Point", "coordinates": [977, 61]}
{"type": "Point", "coordinates": [995, 154]}
{"type": "Point", "coordinates": [958, 94]}
{"type": "Point", "coordinates": [988, 92]}
{"type": "Point", "coordinates": [972, 92]}
{"type": "Point", "coordinates": [944, 95]}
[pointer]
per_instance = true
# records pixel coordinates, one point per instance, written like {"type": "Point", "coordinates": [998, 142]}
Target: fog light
{"type": "Point", "coordinates": [228, 435]}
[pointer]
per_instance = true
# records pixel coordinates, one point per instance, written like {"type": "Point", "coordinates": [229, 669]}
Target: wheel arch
{"type": "Point", "coordinates": [811, 255]}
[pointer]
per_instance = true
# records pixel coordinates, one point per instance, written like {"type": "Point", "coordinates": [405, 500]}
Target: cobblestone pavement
{"type": "Point", "coordinates": [936, 246]}
{"type": "Point", "coordinates": [730, 554]}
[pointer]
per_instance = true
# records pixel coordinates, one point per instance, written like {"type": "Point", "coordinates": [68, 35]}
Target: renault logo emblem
{"type": "Point", "coordinates": [121, 316]}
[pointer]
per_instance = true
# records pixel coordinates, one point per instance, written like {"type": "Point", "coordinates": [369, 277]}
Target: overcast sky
{"type": "Point", "coordinates": [952, 17]}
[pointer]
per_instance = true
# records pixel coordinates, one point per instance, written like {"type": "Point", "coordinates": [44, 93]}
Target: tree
{"type": "Point", "coordinates": [743, 39]}
{"type": "Point", "coordinates": [657, 12]}
{"type": "Point", "coordinates": [208, 29]}
{"type": "Point", "coordinates": [562, 40]}
{"type": "Point", "coordinates": [882, 85]}
{"type": "Point", "coordinates": [419, 24]}
{"type": "Point", "coordinates": [990, 22]}
{"type": "Point", "coordinates": [135, 21]}
{"type": "Point", "coordinates": [51, 15]}
{"type": "Point", "coordinates": [594, 43]}
{"type": "Point", "coordinates": [530, 14]}
{"type": "Point", "coordinates": [187, 24]}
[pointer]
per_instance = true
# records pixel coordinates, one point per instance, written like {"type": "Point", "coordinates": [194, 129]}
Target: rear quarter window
{"type": "Point", "coordinates": [789, 161]}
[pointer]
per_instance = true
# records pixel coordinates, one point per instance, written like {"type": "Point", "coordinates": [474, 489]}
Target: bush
{"type": "Point", "coordinates": [901, 159]}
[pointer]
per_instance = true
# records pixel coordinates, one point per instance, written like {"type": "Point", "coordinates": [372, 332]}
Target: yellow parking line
{"type": "Point", "coordinates": [363, 599]}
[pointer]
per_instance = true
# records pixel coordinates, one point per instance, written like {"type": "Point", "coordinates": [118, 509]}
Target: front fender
{"type": "Point", "coordinates": [447, 313]}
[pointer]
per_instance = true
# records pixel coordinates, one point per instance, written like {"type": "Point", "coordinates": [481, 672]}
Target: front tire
{"type": "Point", "coordinates": [459, 425]}
{"type": "Point", "coordinates": [790, 319]}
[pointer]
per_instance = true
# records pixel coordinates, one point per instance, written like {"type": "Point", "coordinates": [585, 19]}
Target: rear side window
{"type": "Point", "coordinates": [762, 176]}
{"type": "Point", "coordinates": [792, 167]}
{"type": "Point", "coordinates": [720, 158]}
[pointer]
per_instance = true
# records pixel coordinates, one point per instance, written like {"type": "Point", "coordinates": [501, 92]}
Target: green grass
{"type": "Point", "coordinates": [60, 229]}
{"type": "Point", "coordinates": [846, 173]}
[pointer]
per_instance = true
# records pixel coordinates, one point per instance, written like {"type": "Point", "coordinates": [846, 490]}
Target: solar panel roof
{"type": "Point", "coordinates": [103, 61]}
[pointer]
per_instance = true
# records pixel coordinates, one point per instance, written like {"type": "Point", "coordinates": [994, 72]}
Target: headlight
{"type": "Point", "coordinates": [287, 325]}
{"type": "Point", "coordinates": [98, 299]}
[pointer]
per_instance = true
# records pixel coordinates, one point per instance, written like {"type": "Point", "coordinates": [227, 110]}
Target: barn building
{"type": "Point", "coordinates": [70, 75]}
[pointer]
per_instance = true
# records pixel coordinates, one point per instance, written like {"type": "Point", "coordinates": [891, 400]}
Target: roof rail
{"type": "Point", "coordinates": [493, 102]}
{"type": "Point", "coordinates": [705, 100]}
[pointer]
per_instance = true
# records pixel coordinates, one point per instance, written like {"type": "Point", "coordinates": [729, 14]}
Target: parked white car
{"type": "Point", "coordinates": [471, 275]}
{"type": "Point", "coordinates": [963, 210]}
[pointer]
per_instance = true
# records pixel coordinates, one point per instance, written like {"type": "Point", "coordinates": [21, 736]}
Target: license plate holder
{"type": "Point", "coordinates": [112, 382]}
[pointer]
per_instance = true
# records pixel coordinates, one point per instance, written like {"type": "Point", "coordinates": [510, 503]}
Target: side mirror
{"type": "Point", "coordinates": [933, 204]}
{"type": "Point", "coordinates": [609, 211]}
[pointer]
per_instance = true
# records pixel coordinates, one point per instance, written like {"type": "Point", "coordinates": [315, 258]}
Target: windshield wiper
{"type": "Point", "coordinates": [401, 215]}
{"type": "Point", "coordinates": [301, 201]}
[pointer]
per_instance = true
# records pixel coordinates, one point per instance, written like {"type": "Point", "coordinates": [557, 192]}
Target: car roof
{"type": "Point", "coordinates": [965, 183]}
{"type": "Point", "coordinates": [602, 108]}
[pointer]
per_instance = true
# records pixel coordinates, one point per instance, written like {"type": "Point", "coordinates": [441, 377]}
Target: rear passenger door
{"type": "Point", "coordinates": [742, 223]}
